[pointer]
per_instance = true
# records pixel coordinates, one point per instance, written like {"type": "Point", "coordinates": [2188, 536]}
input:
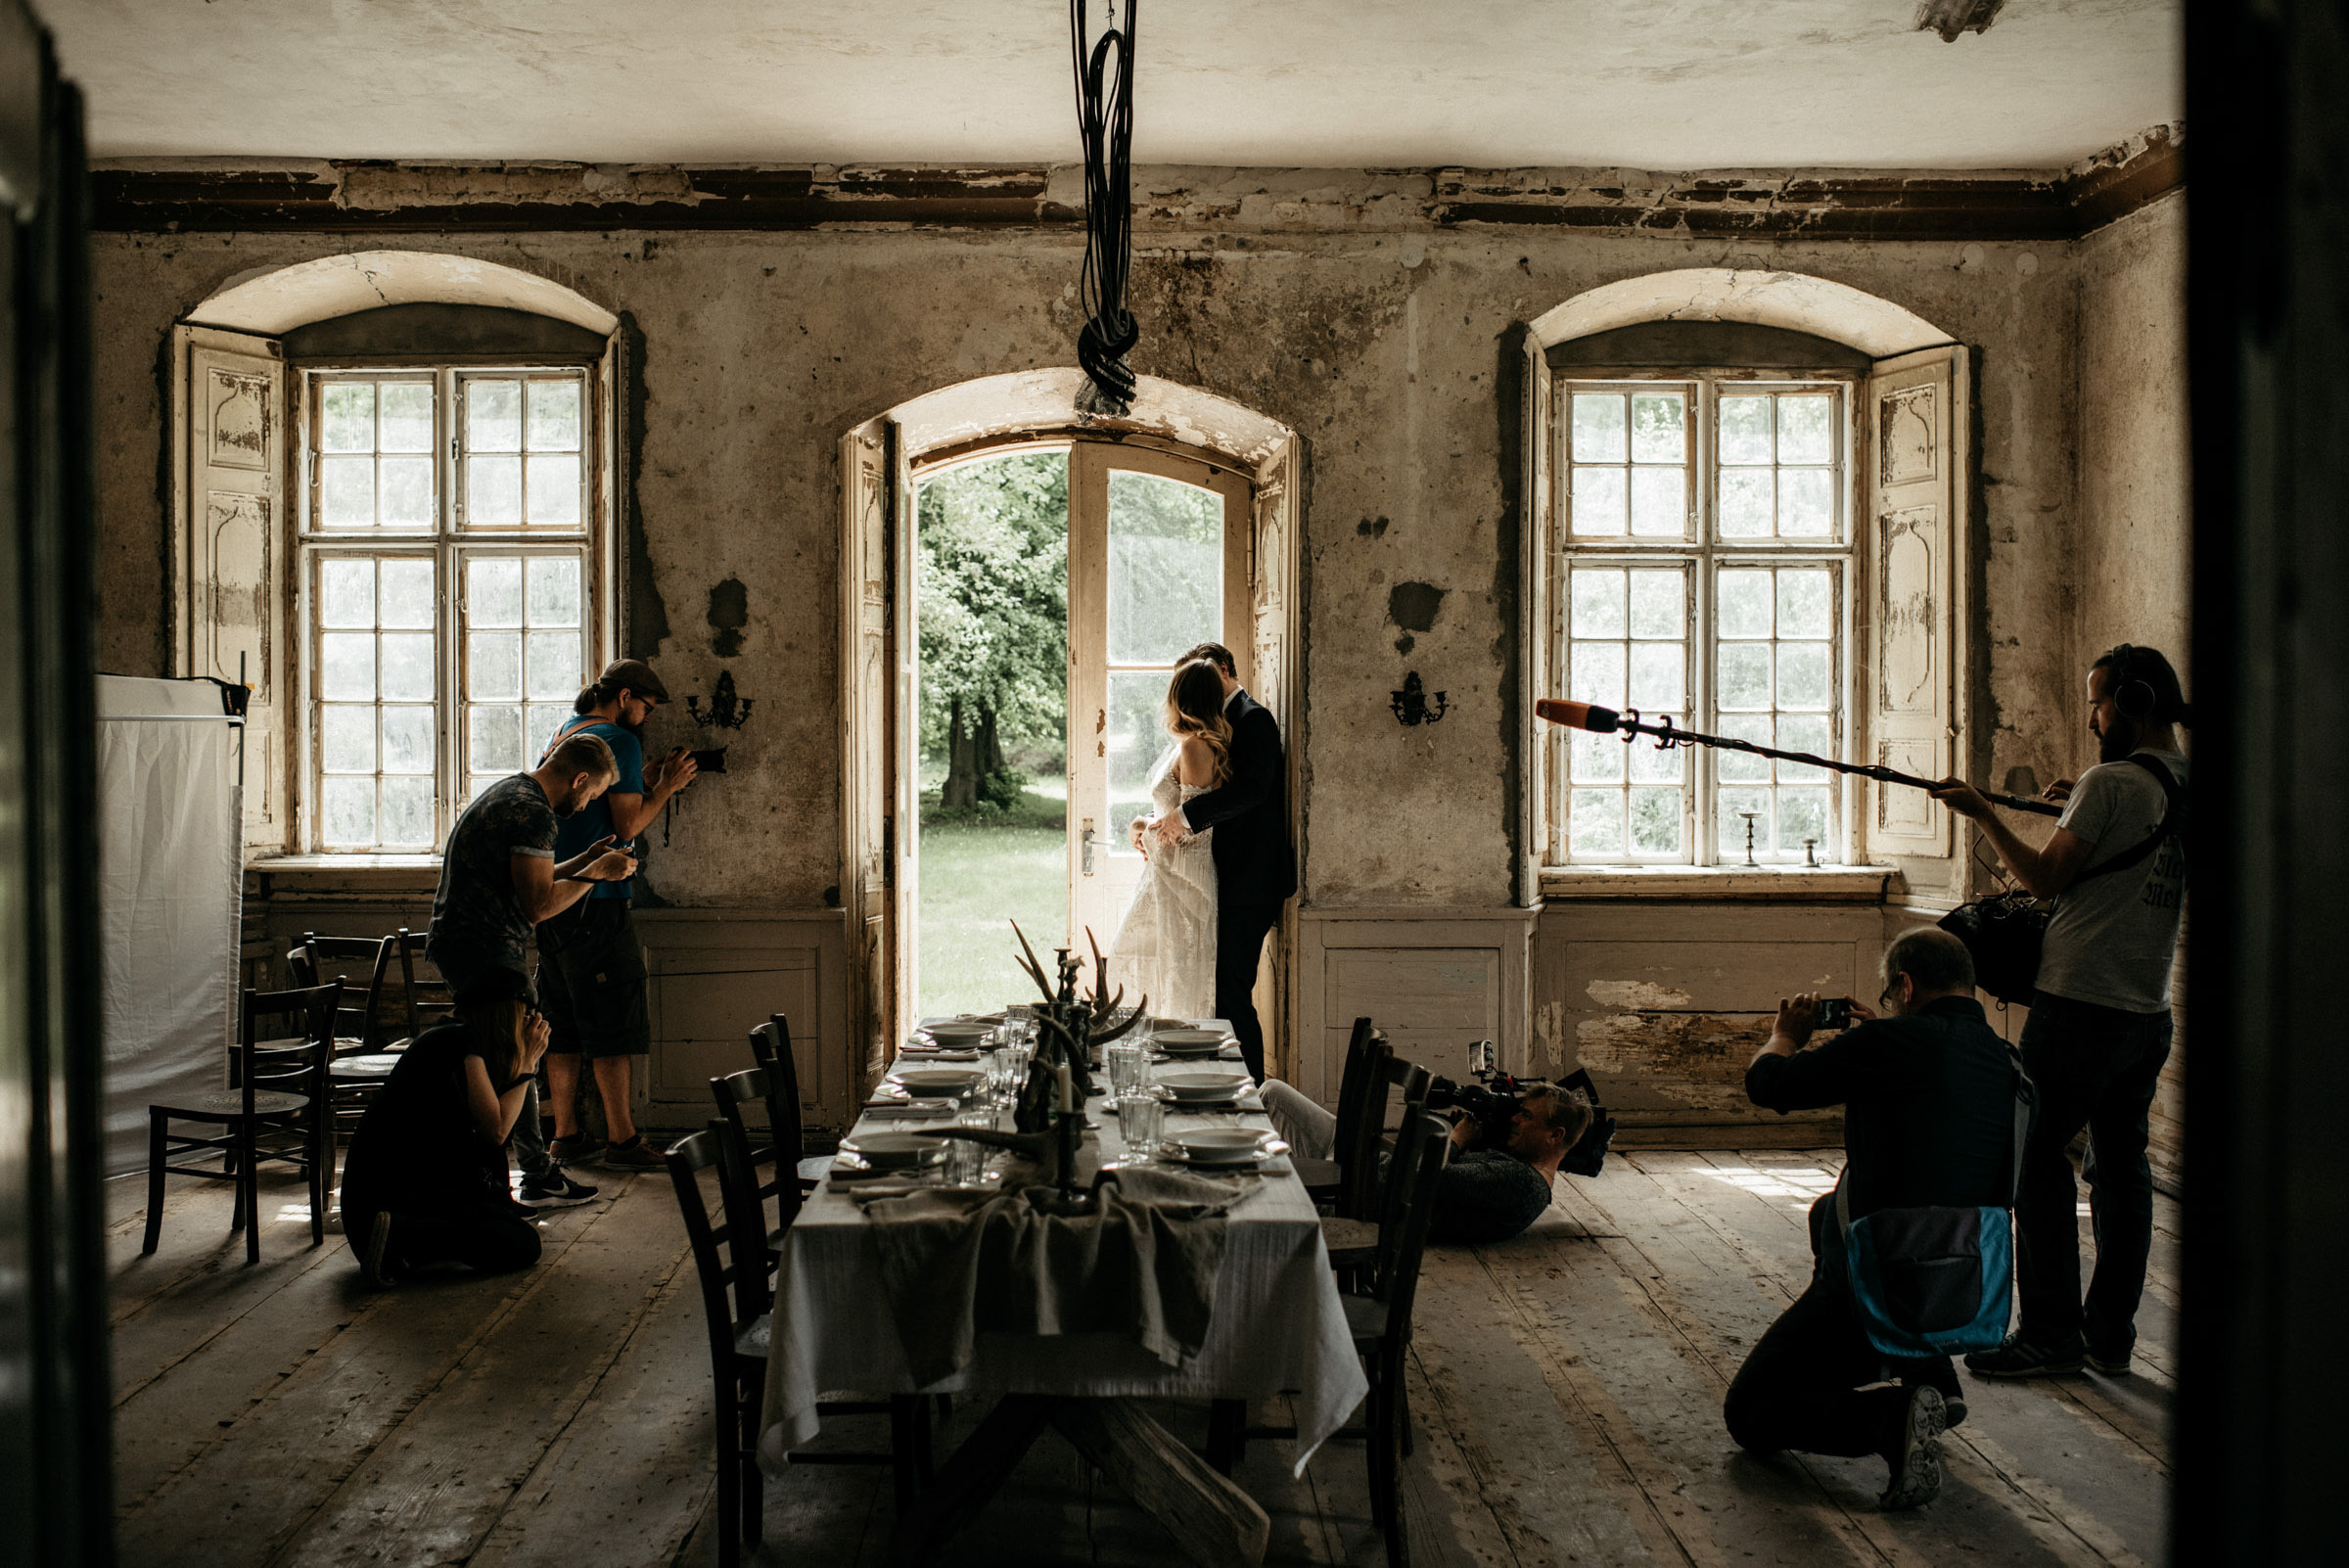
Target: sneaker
{"type": "Point", "coordinates": [2019, 1358]}
{"type": "Point", "coordinates": [554, 1190]}
{"type": "Point", "coordinates": [2111, 1360]}
{"type": "Point", "coordinates": [1915, 1459]}
{"type": "Point", "coordinates": [374, 1263]}
{"type": "Point", "coordinates": [575, 1150]}
{"type": "Point", "coordinates": [633, 1155]}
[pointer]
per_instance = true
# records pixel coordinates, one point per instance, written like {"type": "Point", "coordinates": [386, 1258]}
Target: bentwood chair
{"type": "Point", "coordinates": [738, 1309]}
{"type": "Point", "coordinates": [770, 1049]}
{"type": "Point", "coordinates": [277, 1113]}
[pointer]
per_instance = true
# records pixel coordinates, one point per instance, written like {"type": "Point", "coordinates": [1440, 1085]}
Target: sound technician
{"type": "Point", "coordinates": [2100, 1026]}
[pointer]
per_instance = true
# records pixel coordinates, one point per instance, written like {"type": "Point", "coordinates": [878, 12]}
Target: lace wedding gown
{"type": "Point", "coordinates": [1164, 947]}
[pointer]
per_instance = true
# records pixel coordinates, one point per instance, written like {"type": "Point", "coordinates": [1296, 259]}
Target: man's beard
{"type": "Point", "coordinates": [2116, 743]}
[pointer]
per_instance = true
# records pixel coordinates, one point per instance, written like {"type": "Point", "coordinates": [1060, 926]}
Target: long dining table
{"type": "Point", "coordinates": [1276, 1326]}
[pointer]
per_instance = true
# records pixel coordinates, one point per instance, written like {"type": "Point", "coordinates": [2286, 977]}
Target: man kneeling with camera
{"type": "Point", "coordinates": [1493, 1186]}
{"type": "Point", "coordinates": [1930, 1107]}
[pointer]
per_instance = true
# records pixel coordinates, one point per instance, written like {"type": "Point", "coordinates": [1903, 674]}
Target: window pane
{"type": "Point", "coordinates": [493, 491]}
{"type": "Point", "coordinates": [1743, 681]}
{"type": "Point", "coordinates": [1598, 500]}
{"type": "Point", "coordinates": [1806, 503]}
{"type": "Point", "coordinates": [543, 719]}
{"type": "Point", "coordinates": [1598, 822]}
{"type": "Point", "coordinates": [554, 408]}
{"type": "Point", "coordinates": [1660, 502]}
{"type": "Point", "coordinates": [492, 591]}
{"type": "Point", "coordinates": [346, 739]}
{"type": "Point", "coordinates": [407, 594]}
{"type": "Point", "coordinates": [1655, 822]}
{"type": "Point", "coordinates": [1803, 678]}
{"type": "Point", "coordinates": [1806, 428]}
{"type": "Point", "coordinates": [1597, 594]}
{"type": "Point", "coordinates": [346, 665]}
{"type": "Point", "coordinates": [345, 593]}
{"type": "Point", "coordinates": [1731, 816]}
{"type": "Point", "coordinates": [1806, 603]}
{"type": "Point", "coordinates": [407, 674]}
{"type": "Point", "coordinates": [1652, 765]}
{"type": "Point", "coordinates": [494, 667]}
{"type": "Point", "coordinates": [553, 670]}
{"type": "Point", "coordinates": [1745, 430]}
{"type": "Point", "coordinates": [554, 596]}
{"type": "Point", "coordinates": [493, 416]}
{"type": "Point", "coordinates": [1166, 566]}
{"type": "Point", "coordinates": [347, 417]}
{"type": "Point", "coordinates": [407, 416]}
{"type": "Point", "coordinates": [1745, 504]}
{"type": "Point", "coordinates": [1136, 743]}
{"type": "Point", "coordinates": [1597, 674]}
{"type": "Point", "coordinates": [346, 492]}
{"type": "Point", "coordinates": [1802, 815]}
{"type": "Point", "coordinates": [1743, 768]}
{"type": "Point", "coordinates": [408, 740]}
{"type": "Point", "coordinates": [1804, 732]}
{"type": "Point", "coordinates": [1598, 758]}
{"type": "Point", "coordinates": [1743, 610]}
{"type": "Point", "coordinates": [407, 819]}
{"type": "Point", "coordinates": [554, 489]}
{"type": "Point", "coordinates": [1598, 430]}
{"type": "Point", "coordinates": [407, 490]}
{"type": "Point", "coordinates": [493, 739]}
{"type": "Point", "coordinates": [1659, 430]}
{"type": "Point", "coordinates": [1658, 677]}
{"type": "Point", "coordinates": [1659, 603]}
{"type": "Point", "coordinates": [348, 813]}
{"type": "Point", "coordinates": [478, 782]}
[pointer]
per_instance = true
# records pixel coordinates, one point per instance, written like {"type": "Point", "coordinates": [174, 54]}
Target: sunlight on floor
{"type": "Point", "coordinates": [1779, 1181]}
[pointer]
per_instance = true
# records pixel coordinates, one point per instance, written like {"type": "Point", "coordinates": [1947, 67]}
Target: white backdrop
{"type": "Point", "coordinates": [170, 868]}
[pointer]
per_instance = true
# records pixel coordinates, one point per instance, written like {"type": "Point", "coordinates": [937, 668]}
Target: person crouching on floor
{"type": "Point", "coordinates": [1929, 1095]}
{"type": "Point", "coordinates": [424, 1184]}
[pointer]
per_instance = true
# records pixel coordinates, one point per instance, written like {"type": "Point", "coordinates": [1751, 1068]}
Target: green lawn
{"type": "Point", "coordinates": [974, 881]}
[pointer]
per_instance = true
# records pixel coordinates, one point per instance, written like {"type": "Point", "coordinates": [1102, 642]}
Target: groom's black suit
{"type": "Point", "coordinates": [1255, 866]}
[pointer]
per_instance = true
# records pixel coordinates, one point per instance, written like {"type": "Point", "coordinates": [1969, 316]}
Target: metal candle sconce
{"type": "Point", "coordinates": [726, 711]}
{"type": "Point", "coordinates": [1410, 704]}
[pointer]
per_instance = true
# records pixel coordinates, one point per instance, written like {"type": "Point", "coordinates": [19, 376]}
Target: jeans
{"type": "Point", "coordinates": [1240, 932]}
{"type": "Point", "coordinates": [1310, 1129]}
{"type": "Point", "coordinates": [528, 1141]}
{"type": "Point", "coordinates": [2095, 1068]}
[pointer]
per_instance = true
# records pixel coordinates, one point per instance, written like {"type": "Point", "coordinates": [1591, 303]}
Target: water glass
{"type": "Point", "coordinates": [1124, 1069]}
{"type": "Point", "coordinates": [1141, 1122]}
{"type": "Point", "coordinates": [966, 1161]}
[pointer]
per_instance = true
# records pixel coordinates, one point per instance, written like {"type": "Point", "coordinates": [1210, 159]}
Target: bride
{"type": "Point", "coordinates": [1164, 947]}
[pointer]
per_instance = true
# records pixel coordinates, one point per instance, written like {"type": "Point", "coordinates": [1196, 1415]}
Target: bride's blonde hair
{"type": "Point", "coordinates": [1195, 708]}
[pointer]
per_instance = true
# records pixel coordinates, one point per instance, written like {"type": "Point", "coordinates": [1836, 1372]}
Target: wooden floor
{"type": "Point", "coordinates": [1566, 1394]}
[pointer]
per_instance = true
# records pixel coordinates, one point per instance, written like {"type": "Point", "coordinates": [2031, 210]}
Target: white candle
{"type": "Point", "coordinates": [1061, 1072]}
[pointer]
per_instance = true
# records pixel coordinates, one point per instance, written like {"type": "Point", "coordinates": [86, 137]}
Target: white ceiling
{"type": "Point", "coordinates": [1661, 84]}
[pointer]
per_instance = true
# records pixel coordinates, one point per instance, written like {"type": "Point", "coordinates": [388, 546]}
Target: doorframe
{"type": "Point", "coordinates": [1006, 414]}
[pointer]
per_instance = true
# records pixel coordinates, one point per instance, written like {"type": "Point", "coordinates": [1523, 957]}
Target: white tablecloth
{"type": "Point", "coordinates": [1277, 1324]}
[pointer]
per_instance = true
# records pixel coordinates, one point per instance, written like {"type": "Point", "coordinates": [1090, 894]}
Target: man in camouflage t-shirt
{"type": "Point", "coordinates": [498, 876]}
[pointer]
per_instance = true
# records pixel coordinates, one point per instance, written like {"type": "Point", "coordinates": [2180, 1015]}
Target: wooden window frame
{"type": "Point", "coordinates": [449, 541]}
{"type": "Point", "coordinates": [1704, 554]}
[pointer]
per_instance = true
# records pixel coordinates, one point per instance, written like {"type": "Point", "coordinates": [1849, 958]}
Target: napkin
{"type": "Point", "coordinates": [932, 1053]}
{"type": "Point", "coordinates": [1145, 1262]}
{"type": "Point", "coordinates": [885, 1109]}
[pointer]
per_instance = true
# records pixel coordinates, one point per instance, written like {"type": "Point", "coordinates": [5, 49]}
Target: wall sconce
{"type": "Point", "coordinates": [1410, 704]}
{"type": "Point", "coordinates": [726, 711]}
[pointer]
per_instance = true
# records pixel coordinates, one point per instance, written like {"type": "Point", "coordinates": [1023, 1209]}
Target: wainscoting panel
{"type": "Point", "coordinates": [1433, 980]}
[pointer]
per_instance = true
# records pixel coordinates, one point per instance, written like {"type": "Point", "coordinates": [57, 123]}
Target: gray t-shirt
{"type": "Point", "coordinates": [478, 918]}
{"type": "Point", "coordinates": [2112, 937]}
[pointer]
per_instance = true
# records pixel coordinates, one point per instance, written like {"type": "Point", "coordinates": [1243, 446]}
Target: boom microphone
{"type": "Point", "coordinates": [1607, 722]}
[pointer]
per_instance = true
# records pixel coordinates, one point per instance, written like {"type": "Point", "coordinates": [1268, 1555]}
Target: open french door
{"type": "Point", "coordinates": [1158, 563]}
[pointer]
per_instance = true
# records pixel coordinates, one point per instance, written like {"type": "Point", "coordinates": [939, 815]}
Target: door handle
{"type": "Point", "coordinates": [1090, 838]}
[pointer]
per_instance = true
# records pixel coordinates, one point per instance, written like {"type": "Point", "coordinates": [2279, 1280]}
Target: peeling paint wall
{"type": "Point", "coordinates": [1380, 349]}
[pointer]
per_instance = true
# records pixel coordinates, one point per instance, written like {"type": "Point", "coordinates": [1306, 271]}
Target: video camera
{"type": "Point", "coordinates": [1494, 1099]}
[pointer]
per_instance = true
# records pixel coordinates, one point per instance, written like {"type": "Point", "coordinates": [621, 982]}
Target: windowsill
{"type": "Point", "coordinates": [350, 873]}
{"type": "Point", "coordinates": [1826, 884]}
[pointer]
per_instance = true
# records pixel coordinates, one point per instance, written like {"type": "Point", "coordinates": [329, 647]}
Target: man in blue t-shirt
{"type": "Point", "coordinates": [591, 977]}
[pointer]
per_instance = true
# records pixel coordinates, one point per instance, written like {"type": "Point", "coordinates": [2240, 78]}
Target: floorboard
{"type": "Point", "coordinates": [1565, 1393]}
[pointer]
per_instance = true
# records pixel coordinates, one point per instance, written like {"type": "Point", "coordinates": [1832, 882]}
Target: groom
{"type": "Point", "coordinates": [1256, 868]}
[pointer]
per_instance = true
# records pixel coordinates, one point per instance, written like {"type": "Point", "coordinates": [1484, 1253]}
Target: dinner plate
{"type": "Point", "coordinates": [959, 1034]}
{"type": "Point", "coordinates": [893, 1151]}
{"type": "Point", "coordinates": [1224, 1145]}
{"type": "Point", "coordinates": [953, 1080]}
{"type": "Point", "coordinates": [1200, 1085]}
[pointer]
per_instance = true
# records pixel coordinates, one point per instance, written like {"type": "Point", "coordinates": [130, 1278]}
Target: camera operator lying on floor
{"type": "Point", "coordinates": [1484, 1193]}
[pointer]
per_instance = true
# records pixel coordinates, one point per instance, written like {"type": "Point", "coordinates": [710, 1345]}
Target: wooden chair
{"type": "Point", "coordinates": [1353, 1242]}
{"type": "Point", "coordinates": [1326, 1180]}
{"type": "Point", "coordinates": [361, 1058]}
{"type": "Point", "coordinates": [781, 1153]}
{"type": "Point", "coordinates": [738, 1310]}
{"type": "Point", "coordinates": [770, 1049]}
{"type": "Point", "coordinates": [1380, 1320]}
{"type": "Point", "coordinates": [277, 1112]}
{"type": "Point", "coordinates": [425, 999]}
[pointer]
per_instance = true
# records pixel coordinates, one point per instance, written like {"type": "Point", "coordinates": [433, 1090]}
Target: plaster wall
{"type": "Point", "coordinates": [1391, 354]}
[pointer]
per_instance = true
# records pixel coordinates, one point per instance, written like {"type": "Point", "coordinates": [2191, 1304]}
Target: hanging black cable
{"type": "Point", "coordinates": [1105, 123]}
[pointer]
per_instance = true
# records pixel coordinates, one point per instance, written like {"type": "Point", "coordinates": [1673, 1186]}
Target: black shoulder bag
{"type": "Point", "coordinates": [2007, 932]}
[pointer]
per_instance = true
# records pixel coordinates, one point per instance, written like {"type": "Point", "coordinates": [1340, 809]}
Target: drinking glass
{"type": "Point", "coordinates": [1141, 1122]}
{"type": "Point", "coordinates": [966, 1161]}
{"type": "Point", "coordinates": [1124, 1069]}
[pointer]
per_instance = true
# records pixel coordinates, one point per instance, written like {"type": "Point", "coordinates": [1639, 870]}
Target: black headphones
{"type": "Point", "coordinates": [2134, 697]}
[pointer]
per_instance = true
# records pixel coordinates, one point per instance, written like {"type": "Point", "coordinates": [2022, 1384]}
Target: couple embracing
{"type": "Point", "coordinates": [1218, 861]}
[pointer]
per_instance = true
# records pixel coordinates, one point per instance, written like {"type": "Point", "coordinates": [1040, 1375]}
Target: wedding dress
{"type": "Point", "coordinates": [1164, 947]}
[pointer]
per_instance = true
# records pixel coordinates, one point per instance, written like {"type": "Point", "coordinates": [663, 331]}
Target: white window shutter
{"type": "Point", "coordinates": [610, 406]}
{"type": "Point", "coordinates": [878, 646]}
{"type": "Point", "coordinates": [231, 608]}
{"type": "Point", "coordinates": [1914, 676]}
{"type": "Point", "coordinates": [1537, 811]}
